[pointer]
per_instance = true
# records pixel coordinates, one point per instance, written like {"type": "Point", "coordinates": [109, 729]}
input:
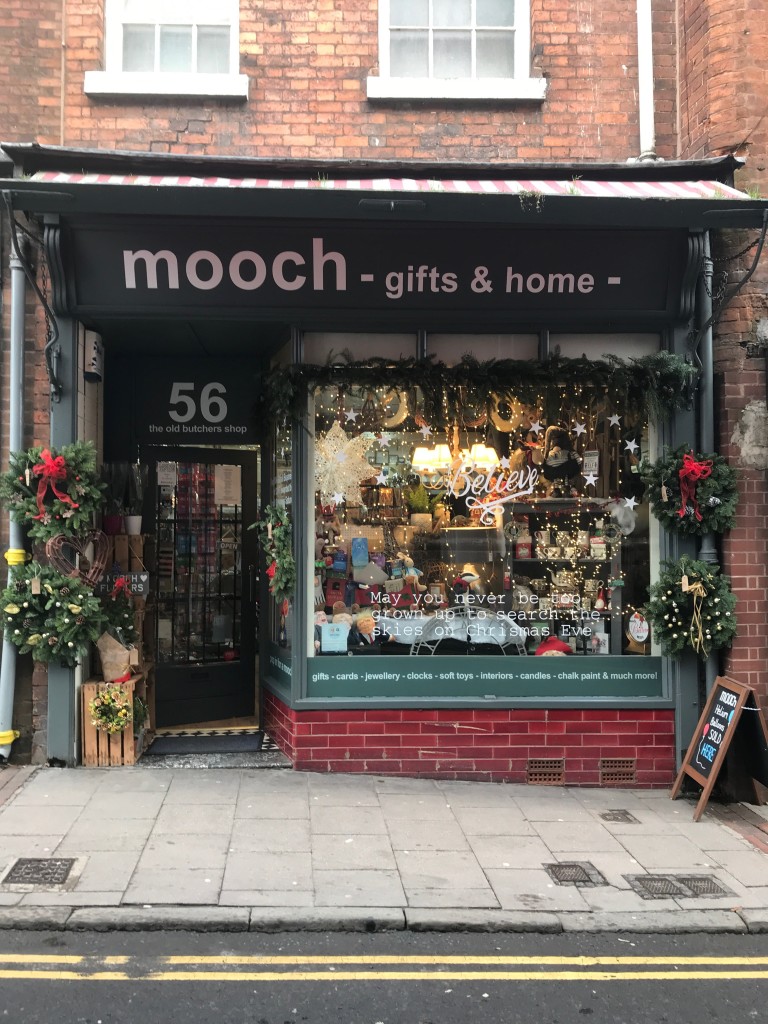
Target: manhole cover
{"type": "Point", "coordinates": [702, 885]}
{"type": "Point", "coordinates": [655, 887]}
{"type": "Point", "coordinates": [39, 871]}
{"type": "Point", "coordinates": [620, 816]}
{"type": "Point", "coordinates": [574, 873]}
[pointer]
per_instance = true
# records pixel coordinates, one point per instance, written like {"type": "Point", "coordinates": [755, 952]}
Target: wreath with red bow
{"type": "Point", "coordinates": [692, 493]}
{"type": "Point", "coordinates": [53, 492]}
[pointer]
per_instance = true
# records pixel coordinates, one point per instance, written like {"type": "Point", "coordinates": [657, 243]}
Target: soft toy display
{"type": "Point", "coordinates": [341, 614]}
{"type": "Point", "coordinates": [320, 620]}
{"type": "Point", "coordinates": [552, 647]}
{"type": "Point", "coordinates": [560, 463]}
{"type": "Point", "coordinates": [411, 574]}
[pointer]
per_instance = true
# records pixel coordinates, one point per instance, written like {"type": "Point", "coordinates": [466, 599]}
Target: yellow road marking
{"type": "Point", "coordinates": [487, 976]}
{"type": "Point", "coordinates": [581, 961]}
{"type": "Point", "coordinates": [63, 976]}
{"type": "Point", "coordinates": [338, 976]}
{"type": "Point", "coordinates": [36, 958]}
{"type": "Point", "coordinates": [115, 959]}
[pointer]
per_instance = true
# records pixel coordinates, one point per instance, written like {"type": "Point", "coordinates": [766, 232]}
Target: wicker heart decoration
{"type": "Point", "coordinates": [54, 549]}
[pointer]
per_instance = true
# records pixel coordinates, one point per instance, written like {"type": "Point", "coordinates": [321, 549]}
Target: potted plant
{"type": "Point", "coordinates": [134, 498]}
{"type": "Point", "coordinates": [114, 476]}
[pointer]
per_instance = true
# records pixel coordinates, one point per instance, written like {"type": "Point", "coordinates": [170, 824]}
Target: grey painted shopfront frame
{"type": "Point", "coordinates": [681, 677]}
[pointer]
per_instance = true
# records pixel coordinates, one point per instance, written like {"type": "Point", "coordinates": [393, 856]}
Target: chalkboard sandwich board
{"type": "Point", "coordinates": [732, 720]}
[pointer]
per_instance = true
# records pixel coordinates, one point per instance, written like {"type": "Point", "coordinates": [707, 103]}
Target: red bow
{"type": "Point", "coordinates": [690, 475]}
{"type": "Point", "coordinates": [272, 569]}
{"type": "Point", "coordinates": [121, 587]}
{"type": "Point", "coordinates": [50, 471]}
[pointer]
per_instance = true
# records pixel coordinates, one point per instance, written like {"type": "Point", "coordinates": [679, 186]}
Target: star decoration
{"type": "Point", "coordinates": [535, 427]}
{"type": "Point", "coordinates": [590, 480]}
{"type": "Point", "coordinates": [381, 479]}
{"type": "Point", "coordinates": [504, 463]}
{"type": "Point", "coordinates": [340, 466]}
{"type": "Point", "coordinates": [579, 429]}
{"type": "Point", "coordinates": [337, 498]}
{"type": "Point", "coordinates": [351, 416]}
{"type": "Point", "coordinates": [425, 431]}
{"type": "Point", "coordinates": [614, 421]}
{"type": "Point", "coordinates": [631, 446]}
{"type": "Point", "coordinates": [631, 503]}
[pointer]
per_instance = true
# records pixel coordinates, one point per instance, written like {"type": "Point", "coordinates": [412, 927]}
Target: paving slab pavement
{"type": "Point", "coordinates": [238, 849]}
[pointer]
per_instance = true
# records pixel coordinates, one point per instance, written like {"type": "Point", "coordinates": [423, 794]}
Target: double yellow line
{"type": "Point", "coordinates": [53, 967]}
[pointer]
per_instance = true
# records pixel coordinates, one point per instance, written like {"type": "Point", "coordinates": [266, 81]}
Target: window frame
{"type": "Point", "coordinates": [518, 87]}
{"type": "Point", "coordinates": [113, 80]}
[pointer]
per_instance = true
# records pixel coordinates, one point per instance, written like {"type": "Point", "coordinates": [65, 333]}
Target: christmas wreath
{"type": "Point", "coordinates": [118, 611]}
{"type": "Point", "coordinates": [52, 616]}
{"type": "Point", "coordinates": [52, 493]}
{"type": "Point", "coordinates": [692, 493]}
{"type": "Point", "coordinates": [111, 710]}
{"type": "Point", "coordinates": [276, 539]}
{"type": "Point", "coordinates": [692, 605]}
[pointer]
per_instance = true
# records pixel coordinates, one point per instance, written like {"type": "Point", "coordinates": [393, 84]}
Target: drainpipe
{"type": "Point", "coordinates": [645, 81]}
{"type": "Point", "coordinates": [15, 554]}
{"type": "Point", "coordinates": [707, 550]}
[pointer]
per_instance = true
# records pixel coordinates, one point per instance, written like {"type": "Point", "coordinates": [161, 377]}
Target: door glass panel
{"type": "Point", "coordinates": [199, 535]}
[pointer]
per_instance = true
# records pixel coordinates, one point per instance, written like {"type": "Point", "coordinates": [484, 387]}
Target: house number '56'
{"type": "Point", "coordinates": [213, 408]}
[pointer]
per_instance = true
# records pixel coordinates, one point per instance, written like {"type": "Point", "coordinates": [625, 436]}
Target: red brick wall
{"type": "Point", "coordinates": [484, 745]}
{"type": "Point", "coordinates": [307, 64]}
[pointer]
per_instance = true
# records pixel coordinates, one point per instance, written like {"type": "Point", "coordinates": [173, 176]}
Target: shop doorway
{"type": "Point", "coordinates": [201, 502]}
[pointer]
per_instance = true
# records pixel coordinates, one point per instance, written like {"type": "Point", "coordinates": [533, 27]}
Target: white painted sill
{"type": "Point", "coordinates": [148, 83]}
{"type": "Point", "coordinates": [530, 89]}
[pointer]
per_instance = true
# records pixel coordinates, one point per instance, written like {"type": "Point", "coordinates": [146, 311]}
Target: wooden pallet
{"type": "Point", "coordinates": [101, 748]}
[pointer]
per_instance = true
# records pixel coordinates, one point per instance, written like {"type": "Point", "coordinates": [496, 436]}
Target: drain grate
{"type": "Point", "coordinates": [655, 887]}
{"type": "Point", "coordinates": [616, 771]}
{"type": "Point", "coordinates": [659, 887]}
{"type": "Point", "coordinates": [702, 885]}
{"type": "Point", "coordinates": [39, 871]}
{"type": "Point", "coordinates": [624, 817]}
{"type": "Point", "coordinates": [546, 771]}
{"type": "Point", "coordinates": [580, 873]}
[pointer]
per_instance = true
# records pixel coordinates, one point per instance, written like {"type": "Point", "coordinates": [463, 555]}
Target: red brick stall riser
{"type": "Point", "coordinates": [492, 745]}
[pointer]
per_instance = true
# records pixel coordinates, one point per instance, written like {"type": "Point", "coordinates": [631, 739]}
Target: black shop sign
{"type": "Point", "coordinates": [261, 268]}
{"type": "Point", "coordinates": [166, 401]}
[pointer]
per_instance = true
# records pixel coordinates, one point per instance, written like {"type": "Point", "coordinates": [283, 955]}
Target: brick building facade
{"type": "Point", "coordinates": [308, 68]}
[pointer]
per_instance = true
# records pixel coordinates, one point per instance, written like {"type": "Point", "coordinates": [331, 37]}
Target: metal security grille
{"type": "Point", "coordinates": [546, 771]}
{"type": "Point", "coordinates": [580, 873]}
{"type": "Point", "coordinates": [39, 871]}
{"type": "Point", "coordinates": [617, 770]}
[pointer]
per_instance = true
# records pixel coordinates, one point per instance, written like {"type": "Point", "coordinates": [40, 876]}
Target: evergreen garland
{"type": "Point", "coordinates": [651, 386]}
{"type": "Point", "coordinates": [58, 623]}
{"type": "Point", "coordinates": [276, 539]}
{"type": "Point", "coordinates": [64, 484]}
{"type": "Point", "coordinates": [715, 495]}
{"type": "Point", "coordinates": [701, 618]}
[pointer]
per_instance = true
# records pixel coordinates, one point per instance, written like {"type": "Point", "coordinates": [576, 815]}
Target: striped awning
{"type": "Point", "coordinates": [710, 190]}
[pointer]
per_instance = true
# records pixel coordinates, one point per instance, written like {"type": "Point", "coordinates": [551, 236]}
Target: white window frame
{"type": "Point", "coordinates": [520, 87]}
{"type": "Point", "coordinates": [113, 81]}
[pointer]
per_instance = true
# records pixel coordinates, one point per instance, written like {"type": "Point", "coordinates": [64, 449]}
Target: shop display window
{"type": "Point", "coordinates": [512, 530]}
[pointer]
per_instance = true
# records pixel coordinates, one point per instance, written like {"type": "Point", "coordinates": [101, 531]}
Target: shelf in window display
{"type": "Point", "coordinates": [596, 561]}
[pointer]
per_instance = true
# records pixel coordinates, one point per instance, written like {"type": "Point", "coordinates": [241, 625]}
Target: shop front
{"type": "Point", "coordinates": [448, 398]}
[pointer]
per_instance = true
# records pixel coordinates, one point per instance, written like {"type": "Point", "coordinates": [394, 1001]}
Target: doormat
{"type": "Point", "coordinates": [208, 743]}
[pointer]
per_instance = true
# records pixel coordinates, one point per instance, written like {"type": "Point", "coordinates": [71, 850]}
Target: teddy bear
{"type": "Point", "coordinates": [341, 614]}
{"type": "Point", "coordinates": [559, 459]}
